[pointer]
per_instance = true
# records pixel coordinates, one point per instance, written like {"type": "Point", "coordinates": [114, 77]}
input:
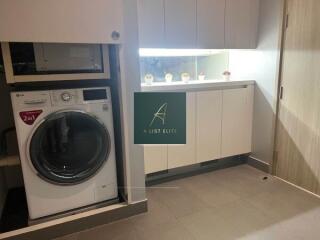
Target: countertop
{"type": "Point", "coordinates": [195, 85]}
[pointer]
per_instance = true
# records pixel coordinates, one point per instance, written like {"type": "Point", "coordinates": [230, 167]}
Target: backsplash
{"type": "Point", "coordinates": [212, 66]}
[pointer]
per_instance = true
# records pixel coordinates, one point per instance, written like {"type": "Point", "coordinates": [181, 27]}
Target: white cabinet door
{"type": "Point", "coordinates": [237, 112]}
{"type": "Point", "coordinates": [209, 117]}
{"type": "Point", "coordinates": [155, 158]}
{"type": "Point", "coordinates": [183, 155]}
{"type": "Point", "coordinates": [72, 21]}
{"type": "Point", "coordinates": [151, 23]}
{"type": "Point", "coordinates": [210, 23]}
{"type": "Point", "coordinates": [241, 29]}
{"type": "Point", "coordinates": [180, 23]}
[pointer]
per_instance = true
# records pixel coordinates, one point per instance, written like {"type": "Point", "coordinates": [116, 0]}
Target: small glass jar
{"type": "Point", "coordinates": [185, 77]}
{"type": "Point", "coordinates": [148, 78]}
{"type": "Point", "coordinates": [168, 77]}
{"type": "Point", "coordinates": [226, 75]}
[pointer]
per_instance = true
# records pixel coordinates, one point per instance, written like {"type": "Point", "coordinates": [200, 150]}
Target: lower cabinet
{"type": "Point", "coordinates": [183, 155]}
{"type": "Point", "coordinates": [209, 118]}
{"type": "Point", "coordinates": [219, 124]}
{"type": "Point", "coordinates": [155, 158]}
{"type": "Point", "coordinates": [237, 112]}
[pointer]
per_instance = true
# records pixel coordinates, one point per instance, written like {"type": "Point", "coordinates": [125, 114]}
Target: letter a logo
{"type": "Point", "coordinates": [160, 114]}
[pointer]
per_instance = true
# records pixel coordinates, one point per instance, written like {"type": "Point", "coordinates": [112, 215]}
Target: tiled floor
{"type": "Point", "coordinates": [234, 203]}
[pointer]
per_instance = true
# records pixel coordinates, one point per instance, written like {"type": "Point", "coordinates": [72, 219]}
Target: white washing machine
{"type": "Point", "coordinates": [66, 143]}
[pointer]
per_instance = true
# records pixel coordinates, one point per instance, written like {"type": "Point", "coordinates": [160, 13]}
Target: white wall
{"type": "Point", "coordinates": [262, 65]}
{"type": "Point", "coordinates": [130, 83]}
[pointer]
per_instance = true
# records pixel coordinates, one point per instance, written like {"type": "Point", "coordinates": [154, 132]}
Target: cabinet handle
{"type": "Point", "coordinates": [281, 93]}
{"type": "Point", "coordinates": [115, 35]}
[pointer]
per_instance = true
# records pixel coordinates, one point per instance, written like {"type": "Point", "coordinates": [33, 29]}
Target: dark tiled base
{"type": "Point", "coordinates": [15, 211]}
{"type": "Point", "coordinates": [188, 171]}
{"type": "Point", "coordinates": [262, 166]}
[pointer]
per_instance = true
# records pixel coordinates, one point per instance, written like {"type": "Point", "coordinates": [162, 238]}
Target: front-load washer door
{"type": "Point", "coordinates": [69, 147]}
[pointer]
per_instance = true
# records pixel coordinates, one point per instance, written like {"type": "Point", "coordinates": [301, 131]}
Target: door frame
{"type": "Point", "coordinates": [279, 86]}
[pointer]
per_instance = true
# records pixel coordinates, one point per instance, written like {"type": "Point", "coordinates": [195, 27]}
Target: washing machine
{"type": "Point", "coordinates": [67, 152]}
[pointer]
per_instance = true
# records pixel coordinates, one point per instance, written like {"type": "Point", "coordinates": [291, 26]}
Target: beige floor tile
{"type": "Point", "coordinates": [208, 224]}
{"type": "Point", "coordinates": [179, 201]}
{"type": "Point", "coordinates": [272, 232]}
{"type": "Point", "coordinates": [212, 193]}
{"type": "Point", "coordinates": [234, 203]}
{"type": "Point", "coordinates": [68, 237]}
{"type": "Point", "coordinates": [167, 231]}
{"type": "Point", "coordinates": [244, 216]}
{"type": "Point", "coordinates": [242, 186]}
{"type": "Point", "coordinates": [284, 204]}
{"type": "Point", "coordinates": [116, 231]}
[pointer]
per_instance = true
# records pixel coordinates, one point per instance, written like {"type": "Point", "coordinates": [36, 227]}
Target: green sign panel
{"type": "Point", "coordinates": [160, 118]}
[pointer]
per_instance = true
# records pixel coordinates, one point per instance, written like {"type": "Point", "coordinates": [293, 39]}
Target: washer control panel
{"type": "Point", "coordinates": [66, 97]}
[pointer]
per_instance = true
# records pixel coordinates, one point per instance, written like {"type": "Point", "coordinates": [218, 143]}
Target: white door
{"type": "Point", "coordinates": [72, 21]}
{"type": "Point", "coordinates": [210, 23]}
{"type": "Point", "coordinates": [155, 158]}
{"type": "Point", "coordinates": [151, 23]}
{"type": "Point", "coordinates": [183, 155]}
{"type": "Point", "coordinates": [241, 24]}
{"type": "Point", "coordinates": [209, 117]}
{"type": "Point", "coordinates": [180, 23]}
{"type": "Point", "coordinates": [237, 111]}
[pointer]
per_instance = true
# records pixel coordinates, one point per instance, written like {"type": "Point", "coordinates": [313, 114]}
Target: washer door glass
{"type": "Point", "coordinates": [69, 147]}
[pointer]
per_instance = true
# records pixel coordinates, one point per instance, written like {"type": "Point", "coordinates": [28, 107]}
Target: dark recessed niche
{"type": "Point", "coordinates": [55, 58]}
{"type": "Point", "coordinates": [22, 56]}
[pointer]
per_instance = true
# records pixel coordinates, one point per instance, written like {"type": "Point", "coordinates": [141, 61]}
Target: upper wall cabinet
{"type": "Point", "coordinates": [180, 23]}
{"type": "Point", "coordinates": [167, 23]}
{"type": "Point", "coordinates": [210, 23]}
{"type": "Point", "coordinates": [151, 23]}
{"type": "Point", "coordinates": [241, 26]}
{"type": "Point", "coordinates": [72, 21]}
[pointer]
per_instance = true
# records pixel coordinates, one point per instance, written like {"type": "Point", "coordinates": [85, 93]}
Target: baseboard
{"type": "Point", "coordinates": [77, 223]}
{"type": "Point", "coordinates": [296, 186]}
{"type": "Point", "coordinates": [258, 164]}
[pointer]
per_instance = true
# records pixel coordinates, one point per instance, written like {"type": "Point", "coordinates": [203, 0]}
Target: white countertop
{"type": "Point", "coordinates": [195, 85]}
